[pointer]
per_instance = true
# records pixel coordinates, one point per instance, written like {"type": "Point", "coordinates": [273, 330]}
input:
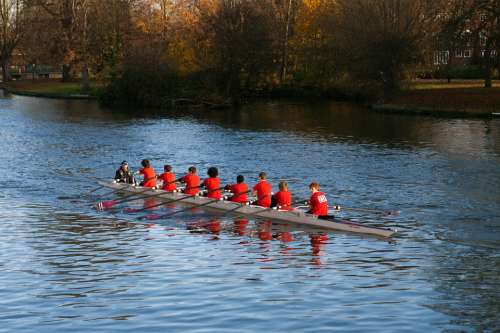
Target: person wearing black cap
{"type": "Point", "coordinates": [123, 174]}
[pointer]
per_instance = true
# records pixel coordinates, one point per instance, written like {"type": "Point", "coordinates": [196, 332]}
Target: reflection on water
{"type": "Point", "coordinates": [67, 267]}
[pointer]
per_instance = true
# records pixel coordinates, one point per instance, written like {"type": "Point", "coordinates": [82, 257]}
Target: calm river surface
{"type": "Point", "coordinates": [66, 267]}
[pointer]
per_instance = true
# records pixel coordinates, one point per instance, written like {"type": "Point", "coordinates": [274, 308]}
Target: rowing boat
{"type": "Point", "coordinates": [295, 216]}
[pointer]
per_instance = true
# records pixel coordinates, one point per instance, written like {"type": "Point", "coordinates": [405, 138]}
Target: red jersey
{"type": "Point", "coordinates": [212, 184]}
{"type": "Point", "coordinates": [263, 189]}
{"type": "Point", "coordinates": [168, 181]}
{"type": "Point", "coordinates": [192, 183]}
{"type": "Point", "coordinates": [319, 204]}
{"type": "Point", "coordinates": [239, 191]}
{"type": "Point", "coordinates": [283, 200]}
{"type": "Point", "coordinates": [149, 177]}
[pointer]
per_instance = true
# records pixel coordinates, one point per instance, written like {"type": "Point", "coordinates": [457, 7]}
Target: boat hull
{"type": "Point", "coordinates": [297, 216]}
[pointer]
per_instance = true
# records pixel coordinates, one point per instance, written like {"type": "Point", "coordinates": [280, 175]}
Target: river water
{"type": "Point", "coordinates": [66, 267]}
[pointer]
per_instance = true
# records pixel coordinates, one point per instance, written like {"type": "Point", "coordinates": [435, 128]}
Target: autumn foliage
{"type": "Point", "coordinates": [152, 52]}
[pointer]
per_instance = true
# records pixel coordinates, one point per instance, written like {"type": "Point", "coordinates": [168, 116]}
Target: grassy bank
{"type": "Point", "coordinates": [440, 97]}
{"type": "Point", "coordinates": [51, 88]}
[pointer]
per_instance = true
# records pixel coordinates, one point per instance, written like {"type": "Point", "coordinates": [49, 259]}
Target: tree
{"type": "Point", "coordinates": [377, 39]}
{"type": "Point", "coordinates": [239, 39]}
{"type": "Point", "coordinates": [12, 28]}
{"type": "Point", "coordinates": [65, 13]}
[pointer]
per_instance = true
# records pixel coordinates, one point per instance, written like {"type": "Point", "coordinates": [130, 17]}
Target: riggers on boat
{"type": "Point", "coordinates": [295, 216]}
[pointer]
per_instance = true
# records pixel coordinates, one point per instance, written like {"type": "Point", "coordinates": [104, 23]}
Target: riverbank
{"type": "Point", "coordinates": [434, 97]}
{"type": "Point", "coordinates": [51, 88]}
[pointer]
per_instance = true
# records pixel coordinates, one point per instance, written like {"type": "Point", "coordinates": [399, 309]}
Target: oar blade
{"type": "Point", "coordinates": [152, 217]}
{"type": "Point", "coordinates": [103, 205]}
{"type": "Point", "coordinates": [130, 210]}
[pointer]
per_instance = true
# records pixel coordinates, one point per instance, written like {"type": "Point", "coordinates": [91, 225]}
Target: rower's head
{"type": "Point", "coordinates": [212, 172]}
{"type": "Point", "coordinates": [283, 186]}
{"type": "Point", "coordinates": [145, 163]}
{"type": "Point", "coordinates": [314, 187]}
{"type": "Point", "coordinates": [167, 168]}
{"type": "Point", "coordinates": [192, 169]}
{"type": "Point", "coordinates": [124, 166]}
{"type": "Point", "coordinates": [262, 175]}
{"type": "Point", "coordinates": [240, 179]}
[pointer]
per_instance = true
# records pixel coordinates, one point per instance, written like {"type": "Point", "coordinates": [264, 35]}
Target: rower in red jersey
{"type": "Point", "coordinates": [192, 182]}
{"type": "Point", "coordinates": [283, 198]}
{"type": "Point", "coordinates": [149, 174]}
{"type": "Point", "coordinates": [263, 191]}
{"type": "Point", "coordinates": [318, 202]}
{"type": "Point", "coordinates": [212, 184]}
{"type": "Point", "coordinates": [239, 190]}
{"type": "Point", "coordinates": [168, 178]}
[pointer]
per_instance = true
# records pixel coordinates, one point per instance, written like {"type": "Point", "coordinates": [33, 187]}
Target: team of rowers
{"type": "Point", "coordinates": [282, 199]}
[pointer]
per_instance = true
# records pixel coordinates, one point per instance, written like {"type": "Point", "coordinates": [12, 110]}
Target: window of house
{"type": "Point", "coordinates": [441, 57]}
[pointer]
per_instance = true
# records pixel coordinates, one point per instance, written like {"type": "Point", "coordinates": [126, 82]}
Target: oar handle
{"type": "Point", "coordinates": [173, 181]}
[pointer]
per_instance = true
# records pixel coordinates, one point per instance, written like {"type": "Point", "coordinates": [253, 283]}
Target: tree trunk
{"type": "Point", "coordinates": [66, 73]}
{"type": "Point", "coordinates": [449, 65]}
{"type": "Point", "coordinates": [498, 62]}
{"type": "Point", "coordinates": [233, 86]}
{"type": "Point", "coordinates": [284, 52]}
{"type": "Point", "coordinates": [85, 79]}
{"type": "Point", "coordinates": [487, 78]}
{"type": "Point", "coordinates": [5, 71]}
{"type": "Point", "coordinates": [487, 67]}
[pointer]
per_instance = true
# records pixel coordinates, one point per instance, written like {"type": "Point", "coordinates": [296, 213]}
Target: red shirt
{"type": "Point", "coordinates": [168, 181]}
{"type": "Point", "coordinates": [149, 177]}
{"type": "Point", "coordinates": [240, 192]}
{"type": "Point", "coordinates": [212, 185]}
{"type": "Point", "coordinates": [319, 204]}
{"type": "Point", "coordinates": [263, 189]}
{"type": "Point", "coordinates": [283, 200]}
{"type": "Point", "coordinates": [192, 183]}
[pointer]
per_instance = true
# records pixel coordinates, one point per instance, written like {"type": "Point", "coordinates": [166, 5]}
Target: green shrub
{"type": "Point", "coordinates": [454, 72]}
{"type": "Point", "coordinates": [152, 86]}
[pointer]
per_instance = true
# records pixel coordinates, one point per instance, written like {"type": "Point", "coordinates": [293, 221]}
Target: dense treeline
{"type": "Point", "coordinates": [158, 52]}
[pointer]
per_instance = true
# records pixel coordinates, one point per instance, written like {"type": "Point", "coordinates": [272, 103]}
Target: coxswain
{"type": "Point", "coordinates": [168, 178]}
{"type": "Point", "coordinates": [239, 190]}
{"type": "Point", "coordinates": [283, 198]}
{"type": "Point", "coordinates": [123, 174]}
{"type": "Point", "coordinates": [212, 184]}
{"type": "Point", "coordinates": [318, 203]}
{"type": "Point", "coordinates": [149, 174]}
{"type": "Point", "coordinates": [192, 182]}
{"type": "Point", "coordinates": [263, 191]}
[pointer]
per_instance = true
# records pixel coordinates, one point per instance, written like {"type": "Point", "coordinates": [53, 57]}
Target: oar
{"type": "Point", "coordinates": [115, 191]}
{"type": "Point", "coordinates": [148, 196]}
{"type": "Point", "coordinates": [242, 205]}
{"type": "Point", "coordinates": [92, 191]}
{"type": "Point", "coordinates": [369, 210]}
{"type": "Point", "coordinates": [121, 189]}
{"type": "Point", "coordinates": [168, 202]}
{"type": "Point", "coordinates": [110, 203]}
{"type": "Point", "coordinates": [157, 217]}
